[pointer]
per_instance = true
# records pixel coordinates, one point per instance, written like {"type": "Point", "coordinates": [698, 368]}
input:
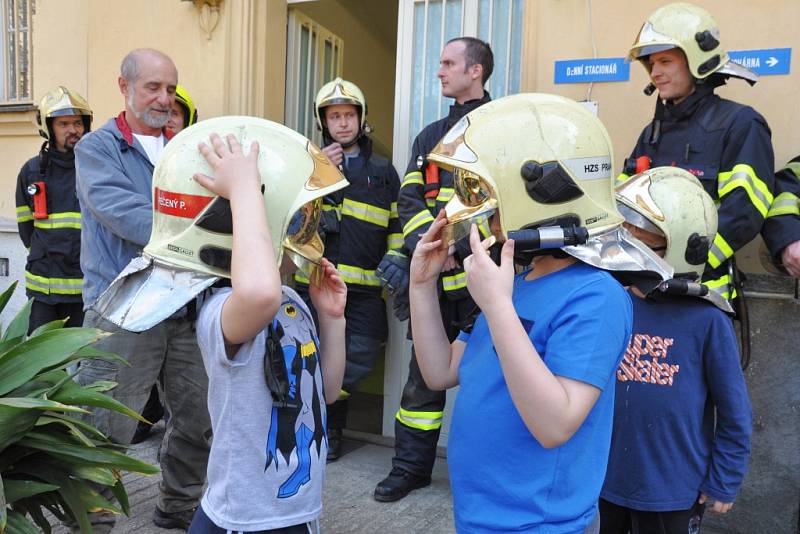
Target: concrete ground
{"type": "Point", "coordinates": [348, 503]}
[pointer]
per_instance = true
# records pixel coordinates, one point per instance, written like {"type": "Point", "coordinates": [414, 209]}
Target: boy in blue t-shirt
{"type": "Point", "coordinates": [531, 427]}
{"type": "Point", "coordinates": [682, 420]}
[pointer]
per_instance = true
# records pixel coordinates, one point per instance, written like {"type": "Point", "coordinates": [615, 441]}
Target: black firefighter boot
{"type": "Point", "coordinates": [337, 419]}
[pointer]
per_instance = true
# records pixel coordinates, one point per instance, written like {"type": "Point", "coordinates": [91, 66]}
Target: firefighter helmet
{"type": "Point", "coordinates": [192, 229]}
{"type": "Point", "coordinates": [340, 91]}
{"type": "Point", "coordinates": [671, 202]}
{"type": "Point", "coordinates": [185, 101]}
{"type": "Point", "coordinates": [539, 161]}
{"type": "Point", "coordinates": [694, 31]}
{"type": "Point", "coordinates": [58, 103]}
{"type": "Point", "coordinates": [191, 241]}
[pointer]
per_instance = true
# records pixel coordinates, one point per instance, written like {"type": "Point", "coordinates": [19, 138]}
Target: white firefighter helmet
{"type": "Point", "coordinates": [671, 202]}
{"type": "Point", "coordinates": [191, 240]}
{"type": "Point", "coordinates": [694, 31]}
{"type": "Point", "coordinates": [339, 91]}
{"type": "Point", "coordinates": [542, 161]}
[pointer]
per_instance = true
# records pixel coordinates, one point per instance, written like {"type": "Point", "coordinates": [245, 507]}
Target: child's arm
{"type": "Point", "coordinates": [256, 283]}
{"type": "Point", "coordinates": [731, 450]}
{"type": "Point", "coordinates": [438, 360]}
{"type": "Point", "coordinates": [552, 407]}
{"type": "Point", "coordinates": [329, 299]}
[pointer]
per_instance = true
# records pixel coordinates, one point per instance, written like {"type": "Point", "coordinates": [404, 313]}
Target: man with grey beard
{"type": "Point", "coordinates": [114, 177]}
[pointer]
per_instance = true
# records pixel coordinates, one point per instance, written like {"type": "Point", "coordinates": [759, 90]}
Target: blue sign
{"type": "Point", "coordinates": [765, 62]}
{"type": "Point", "coordinates": [609, 69]}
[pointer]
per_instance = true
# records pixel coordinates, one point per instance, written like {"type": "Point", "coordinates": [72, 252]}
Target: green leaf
{"type": "Point", "coordinates": [73, 429]}
{"type": "Point", "coordinates": [93, 353]}
{"type": "Point", "coordinates": [38, 404]}
{"type": "Point", "coordinates": [3, 511]}
{"type": "Point", "coordinates": [83, 425]}
{"type": "Point", "coordinates": [22, 489]}
{"type": "Point", "coordinates": [14, 424]}
{"type": "Point", "coordinates": [101, 475]}
{"type": "Point", "coordinates": [19, 524]}
{"type": "Point", "coordinates": [6, 295]}
{"type": "Point", "coordinates": [52, 325]}
{"type": "Point", "coordinates": [18, 326]}
{"type": "Point", "coordinates": [27, 359]}
{"type": "Point", "coordinates": [122, 497]}
{"type": "Point", "coordinates": [72, 393]}
{"type": "Point", "coordinates": [98, 455]}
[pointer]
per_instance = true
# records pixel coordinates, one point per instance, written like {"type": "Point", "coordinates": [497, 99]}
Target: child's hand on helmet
{"type": "Point", "coordinates": [429, 256]}
{"type": "Point", "coordinates": [330, 296]}
{"type": "Point", "coordinates": [234, 173]}
{"type": "Point", "coordinates": [488, 283]}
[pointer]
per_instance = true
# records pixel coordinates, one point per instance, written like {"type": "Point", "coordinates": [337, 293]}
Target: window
{"type": "Point", "coordinates": [424, 27]}
{"type": "Point", "coordinates": [314, 56]}
{"type": "Point", "coordinates": [16, 56]}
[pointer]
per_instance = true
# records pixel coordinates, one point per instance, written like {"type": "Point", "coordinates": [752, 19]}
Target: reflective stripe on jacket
{"type": "Point", "coordinates": [53, 271]}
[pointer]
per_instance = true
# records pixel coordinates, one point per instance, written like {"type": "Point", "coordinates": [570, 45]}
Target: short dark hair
{"type": "Point", "coordinates": [477, 52]}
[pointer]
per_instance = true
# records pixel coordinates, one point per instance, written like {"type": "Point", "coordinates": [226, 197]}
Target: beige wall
{"type": "Point", "coordinates": [559, 29]}
{"type": "Point", "coordinates": [80, 44]}
{"type": "Point", "coordinates": [369, 31]}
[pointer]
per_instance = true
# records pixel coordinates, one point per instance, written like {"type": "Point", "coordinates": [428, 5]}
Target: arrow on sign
{"type": "Point", "coordinates": [772, 61]}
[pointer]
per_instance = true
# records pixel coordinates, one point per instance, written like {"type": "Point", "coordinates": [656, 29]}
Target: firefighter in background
{"type": "Point", "coordinates": [725, 144]}
{"type": "Point", "coordinates": [48, 213]}
{"type": "Point", "coordinates": [359, 224]}
{"type": "Point", "coordinates": [781, 231]}
{"type": "Point", "coordinates": [183, 113]}
{"type": "Point", "coordinates": [464, 67]}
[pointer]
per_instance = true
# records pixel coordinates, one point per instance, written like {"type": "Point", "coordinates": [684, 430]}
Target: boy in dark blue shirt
{"type": "Point", "coordinates": [682, 419]}
{"type": "Point", "coordinates": [531, 426]}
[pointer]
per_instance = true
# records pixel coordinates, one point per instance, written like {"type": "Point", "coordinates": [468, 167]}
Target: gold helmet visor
{"type": "Point", "coordinates": [303, 244]}
{"type": "Point", "coordinates": [637, 205]}
{"type": "Point", "coordinates": [649, 41]}
{"type": "Point", "coordinates": [474, 202]}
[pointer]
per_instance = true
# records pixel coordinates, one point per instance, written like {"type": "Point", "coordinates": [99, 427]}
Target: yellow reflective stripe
{"type": "Point", "coordinates": [416, 221]}
{"type": "Point", "coordinates": [745, 177]}
{"type": "Point", "coordinates": [719, 252]}
{"type": "Point", "coordinates": [58, 286]}
{"type": "Point", "coordinates": [394, 241]}
{"type": "Point", "coordinates": [784, 204]}
{"type": "Point", "coordinates": [300, 277]}
{"type": "Point", "coordinates": [366, 212]}
{"type": "Point", "coordinates": [431, 202]}
{"type": "Point", "coordinates": [722, 285]}
{"type": "Point", "coordinates": [67, 219]}
{"type": "Point", "coordinates": [24, 214]}
{"type": "Point", "coordinates": [455, 281]}
{"type": "Point", "coordinates": [622, 178]}
{"type": "Point", "coordinates": [794, 166]}
{"type": "Point", "coordinates": [420, 420]}
{"type": "Point", "coordinates": [445, 194]}
{"type": "Point", "coordinates": [337, 209]}
{"type": "Point", "coordinates": [356, 275]}
{"type": "Point", "coordinates": [396, 253]}
{"type": "Point", "coordinates": [413, 178]}
{"type": "Point", "coordinates": [393, 210]}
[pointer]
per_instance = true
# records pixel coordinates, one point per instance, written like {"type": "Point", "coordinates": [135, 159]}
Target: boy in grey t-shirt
{"type": "Point", "coordinates": [267, 460]}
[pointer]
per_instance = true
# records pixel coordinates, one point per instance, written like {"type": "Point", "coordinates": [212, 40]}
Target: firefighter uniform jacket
{"type": "Point", "coordinates": [368, 226]}
{"type": "Point", "coordinates": [418, 212]}
{"type": "Point", "coordinates": [52, 237]}
{"type": "Point", "coordinates": [727, 146]}
{"type": "Point", "coordinates": [782, 226]}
